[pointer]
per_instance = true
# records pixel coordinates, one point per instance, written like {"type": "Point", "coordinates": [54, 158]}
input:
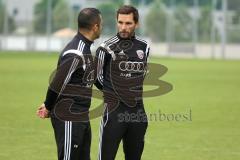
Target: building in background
{"type": "Point", "coordinates": [21, 10]}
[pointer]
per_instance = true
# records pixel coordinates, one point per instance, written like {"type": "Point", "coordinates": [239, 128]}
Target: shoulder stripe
{"type": "Point", "coordinates": [141, 40]}
{"type": "Point", "coordinates": [80, 42]}
{"type": "Point", "coordinates": [106, 45]}
{"type": "Point", "coordinates": [77, 52]}
{"type": "Point", "coordinates": [111, 39]}
{"type": "Point", "coordinates": [81, 45]}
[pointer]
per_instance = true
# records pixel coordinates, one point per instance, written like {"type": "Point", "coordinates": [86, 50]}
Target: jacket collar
{"type": "Point", "coordinates": [130, 38]}
{"type": "Point", "coordinates": [82, 37]}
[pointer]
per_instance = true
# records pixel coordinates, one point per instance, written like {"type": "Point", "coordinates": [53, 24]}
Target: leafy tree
{"type": "Point", "coordinates": [1, 16]}
{"type": "Point", "coordinates": [156, 20]}
{"type": "Point", "coordinates": [117, 2]}
{"type": "Point", "coordinates": [183, 24]}
{"type": "Point", "coordinates": [205, 23]}
{"type": "Point", "coordinates": [108, 11]}
{"type": "Point", "coordinates": [40, 15]}
{"type": "Point", "coordinates": [188, 2]}
{"type": "Point", "coordinates": [61, 15]}
{"type": "Point", "coordinates": [137, 2]}
{"type": "Point", "coordinates": [11, 22]}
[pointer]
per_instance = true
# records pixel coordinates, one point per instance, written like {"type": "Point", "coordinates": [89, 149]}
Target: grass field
{"type": "Point", "coordinates": [209, 88]}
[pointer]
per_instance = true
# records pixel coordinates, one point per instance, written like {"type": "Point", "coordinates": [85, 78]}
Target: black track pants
{"type": "Point", "coordinates": [73, 139]}
{"type": "Point", "coordinates": [126, 124]}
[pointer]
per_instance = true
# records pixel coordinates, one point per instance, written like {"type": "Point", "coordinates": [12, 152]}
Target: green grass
{"type": "Point", "coordinates": [209, 88]}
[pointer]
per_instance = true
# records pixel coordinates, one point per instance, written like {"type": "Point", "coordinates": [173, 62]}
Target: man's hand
{"type": "Point", "coordinates": [42, 112]}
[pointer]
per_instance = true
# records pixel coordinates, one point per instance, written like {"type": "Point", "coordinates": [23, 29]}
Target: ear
{"type": "Point", "coordinates": [95, 27]}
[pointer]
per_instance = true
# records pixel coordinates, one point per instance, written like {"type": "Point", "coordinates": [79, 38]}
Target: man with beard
{"type": "Point", "coordinates": [122, 62]}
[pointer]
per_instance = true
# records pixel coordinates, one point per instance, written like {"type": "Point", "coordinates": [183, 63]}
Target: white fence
{"type": "Point", "coordinates": [200, 50]}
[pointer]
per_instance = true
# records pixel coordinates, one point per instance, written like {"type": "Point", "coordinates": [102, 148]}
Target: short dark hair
{"type": "Point", "coordinates": [88, 17]}
{"type": "Point", "coordinates": [127, 9]}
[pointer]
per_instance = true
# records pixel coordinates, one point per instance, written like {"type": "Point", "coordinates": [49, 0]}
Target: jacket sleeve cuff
{"type": "Point", "coordinates": [50, 100]}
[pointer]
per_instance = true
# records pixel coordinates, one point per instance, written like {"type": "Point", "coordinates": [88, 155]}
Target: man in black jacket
{"type": "Point", "coordinates": [122, 62]}
{"type": "Point", "coordinates": [69, 94]}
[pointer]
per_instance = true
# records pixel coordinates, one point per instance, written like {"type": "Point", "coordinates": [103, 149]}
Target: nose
{"type": "Point", "coordinates": [124, 27]}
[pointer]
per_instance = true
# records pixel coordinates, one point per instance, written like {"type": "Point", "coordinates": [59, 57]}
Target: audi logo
{"type": "Point", "coordinates": [131, 66]}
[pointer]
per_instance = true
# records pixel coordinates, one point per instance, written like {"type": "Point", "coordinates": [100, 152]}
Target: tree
{"type": "Point", "coordinates": [183, 24]}
{"type": "Point", "coordinates": [11, 22]}
{"type": "Point", "coordinates": [1, 16]}
{"type": "Point", "coordinates": [205, 23]}
{"type": "Point", "coordinates": [117, 2]}
{"type": "Point", "coordinates": [61, 15]}
{"type": "Point", "coordinates": [108, 11]}
{"type": "Point", "coordinates": [188, 2]}
{"type": "Point", "coordinates": [138, 2]}
{"type": "Point", "coordinates": [156, 20]}
{"type": "Point", "coordinates": [40, 14]}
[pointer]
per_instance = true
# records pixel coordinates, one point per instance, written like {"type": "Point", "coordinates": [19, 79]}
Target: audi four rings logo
{"type": "Point", "coordinates": [131, 66]}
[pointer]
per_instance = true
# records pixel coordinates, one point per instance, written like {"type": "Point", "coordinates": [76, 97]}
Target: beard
{"type": "Point", "coordinates": [97, 35]}
{"type": "Point", "coordinates": [125, 34]}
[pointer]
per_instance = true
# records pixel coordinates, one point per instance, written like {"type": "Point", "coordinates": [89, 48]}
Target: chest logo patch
{"type": "Point", "coordinates": [140, 54]}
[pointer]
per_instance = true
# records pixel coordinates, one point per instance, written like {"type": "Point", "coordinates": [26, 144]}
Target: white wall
{"type": "Point", "coordinates": [42, 43]}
